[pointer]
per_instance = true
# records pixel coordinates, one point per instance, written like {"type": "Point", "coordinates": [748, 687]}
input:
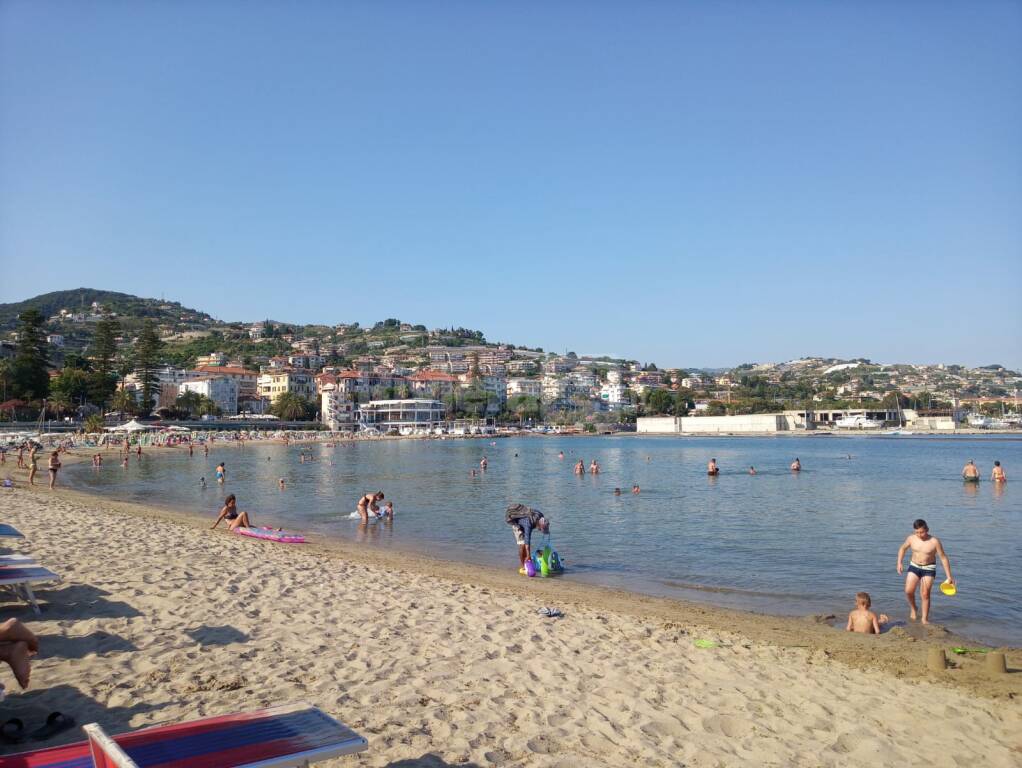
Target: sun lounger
{"type": "Point", "coordinates": [7, 560]}
{"type": "Point", "coordinates": [10, 530]}
{"type": "Point", "coordinates": [289, 736]}
{"type": "Point", "coordinates": [20, 579]}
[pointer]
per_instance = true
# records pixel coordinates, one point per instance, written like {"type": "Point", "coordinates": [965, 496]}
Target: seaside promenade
{"type": "Point", "coordinates": [159, 619]}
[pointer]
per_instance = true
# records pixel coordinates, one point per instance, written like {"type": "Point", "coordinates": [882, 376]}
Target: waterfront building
{"type": "Point", "coordinates": [248, 381]}
{"type": "Point", "coordinates": [222, 390]}
{"type": "Point", "coordinates": [273, 384]}
{"type": "Point", "coordinates": [338, 411]}
{"type": "Point", "coordinates": [407, 415]}
{"type": "Point", "coordinates": [436, 384]}
{"type": "Point", "coordinates": [55, 339]}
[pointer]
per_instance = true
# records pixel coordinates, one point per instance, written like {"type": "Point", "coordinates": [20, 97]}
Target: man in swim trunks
{"type": "Point", "coordinates": [523, 520]}
{"type": "Point", "coordinates": [368, 503]}
{"type": "Point", "coordinates": [796, 465]}
{"type": "Point", "coordinates": [998, 475]}
{"type": "Point", "coordinates": [235, 518]}
{"type": "Point", "coordinates": [922, 567]}
{"type": "Point", "coordinates": [712, 468]}
{"type": "Point", "coordinates": [970, 472]}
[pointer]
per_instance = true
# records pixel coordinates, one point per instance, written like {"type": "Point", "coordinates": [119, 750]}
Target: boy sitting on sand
{"type": "Point", "coordinates": [862, 619]}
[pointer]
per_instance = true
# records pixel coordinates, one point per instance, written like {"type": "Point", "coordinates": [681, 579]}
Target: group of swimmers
{"type": "Point", "coordinates": [970, 473]}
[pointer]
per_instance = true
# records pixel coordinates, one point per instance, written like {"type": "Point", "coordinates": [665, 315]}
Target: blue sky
{"type": "Point", "coordinates": [698, 184]}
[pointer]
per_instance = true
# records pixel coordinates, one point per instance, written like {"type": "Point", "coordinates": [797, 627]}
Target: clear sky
{"type": "Point", "coordinates": [695, 184]}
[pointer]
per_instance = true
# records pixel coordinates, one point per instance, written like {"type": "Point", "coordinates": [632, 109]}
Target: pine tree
{"type": "Point", "coordinates": [31, 363]}
{"type": "Point", "coordinates": [103, 379]}
{"type": "Point", "coordinates": [147, 358]}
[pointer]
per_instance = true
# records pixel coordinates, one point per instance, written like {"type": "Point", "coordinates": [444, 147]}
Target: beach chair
{"type": "Point", "coordinates": [20, 578]}
{"type": "Point", "coordinates": [10, 531]}
{"type": "Point", "coordinates": [289, 736]}
{"type": "Point", "coordinates": [7, 560]}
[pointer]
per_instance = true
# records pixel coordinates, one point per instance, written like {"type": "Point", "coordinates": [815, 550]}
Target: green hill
{"type": "Point", "coordinates": [127, 307]}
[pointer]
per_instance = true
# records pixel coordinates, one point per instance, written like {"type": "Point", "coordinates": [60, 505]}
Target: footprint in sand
{"type": "Point", "coordinates": [725, 725]}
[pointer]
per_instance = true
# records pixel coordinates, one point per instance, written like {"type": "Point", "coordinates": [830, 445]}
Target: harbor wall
{"type": "Point", "coordinates": [758, 423]}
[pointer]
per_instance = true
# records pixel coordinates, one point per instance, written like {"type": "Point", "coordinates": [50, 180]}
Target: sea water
{"type": "Point", "coordinates": [777, 542]}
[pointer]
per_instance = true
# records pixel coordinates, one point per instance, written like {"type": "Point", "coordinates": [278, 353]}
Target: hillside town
{"type": "Point", "coordinates": [405, 378]}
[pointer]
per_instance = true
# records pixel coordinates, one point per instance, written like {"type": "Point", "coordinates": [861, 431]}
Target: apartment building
{"type": "Point", "coordinates": [273, 384]}
{"type": "Point", "coordinates": [222, 390]}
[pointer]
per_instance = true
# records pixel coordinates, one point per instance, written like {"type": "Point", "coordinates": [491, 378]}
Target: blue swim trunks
{"type": "Point", "coordinates": [923, 571]}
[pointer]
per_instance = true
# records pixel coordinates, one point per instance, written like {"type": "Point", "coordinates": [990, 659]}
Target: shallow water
{"type": "Point", "coordinates": [777, 542]}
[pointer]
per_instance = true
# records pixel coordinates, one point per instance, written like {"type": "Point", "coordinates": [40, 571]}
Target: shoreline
{"type": "Point", "coordinates": [900, 650]}
{"type": "Point", "coordinates": [159, 620]}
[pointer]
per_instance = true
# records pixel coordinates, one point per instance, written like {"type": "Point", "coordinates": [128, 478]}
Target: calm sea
{"type": "Point", "coordinates": [776, 542]}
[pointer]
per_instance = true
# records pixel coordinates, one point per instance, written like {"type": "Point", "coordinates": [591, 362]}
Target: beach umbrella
{"type": "Point", "coordinates": [131, 426]}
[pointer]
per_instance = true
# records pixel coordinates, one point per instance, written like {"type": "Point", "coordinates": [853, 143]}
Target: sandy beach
{"type": "Point", "coordinates": [159, 619]}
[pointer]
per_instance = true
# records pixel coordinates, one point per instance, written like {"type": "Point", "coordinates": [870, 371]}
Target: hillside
{"type": "Point", "coordinates": [128, 308]}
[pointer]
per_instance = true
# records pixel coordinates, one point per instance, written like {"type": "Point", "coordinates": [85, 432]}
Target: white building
{"type": "Point", "coordinates": [614, 396]}
{"type": "Point", "coordinates": [408, 415]}
{"type": "Point", "coordinates": [338, 412]}
{"type": "Point", "coordinates": [308, 360]}
{"type": "Point", "coordinates": [222, 390]}
{"type": "Point", "coordinates": [55, 339]}
{"type": "Point", "coordinates": [530, 387]}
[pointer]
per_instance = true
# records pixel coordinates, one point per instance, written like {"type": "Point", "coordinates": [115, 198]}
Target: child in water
{"type": "Point", "coordinates": [862, 619]}
{"type": "Point", "coordinates": [388, 510]}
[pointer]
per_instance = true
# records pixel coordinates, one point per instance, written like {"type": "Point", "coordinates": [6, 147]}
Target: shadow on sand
{"type": "Point", "coordinates": [32, 707]}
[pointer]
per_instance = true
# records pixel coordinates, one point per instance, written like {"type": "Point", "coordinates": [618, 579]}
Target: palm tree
{"type": "Point", "coordinates": [290, 407]}
{"type": "Point", "coordinates": [59, 402]}
{"type": "Point", "coordinates": [94, 423]}
{"type": "Point", "coordinates": [208, 407]}
{"type": "Point", "coordinates": [123, 401]}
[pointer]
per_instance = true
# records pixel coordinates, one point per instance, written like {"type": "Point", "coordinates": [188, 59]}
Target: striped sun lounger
{"type": "Point", "coordinates": [20, 578]}
{"type": "Point", "coordinates": [7, 560]}
{"type": "Point", "coordinates": [280, 737]}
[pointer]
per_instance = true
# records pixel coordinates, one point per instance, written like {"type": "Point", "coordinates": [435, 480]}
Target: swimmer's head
{"type": "Point", "coordinates": [862, 599]}
{"type": "Point", "coordinates": [997, 463]}
{"type": "Point", "coordinates": [920, 525]}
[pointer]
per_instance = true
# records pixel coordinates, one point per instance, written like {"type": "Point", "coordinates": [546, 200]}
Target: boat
{"type": "Point", "coordinates": [857, 422]}
{"type": "Point", "coordinates": [978, 421]}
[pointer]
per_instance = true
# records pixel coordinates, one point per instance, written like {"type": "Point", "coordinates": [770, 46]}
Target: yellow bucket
{"type": "Point", "coordinates": [948, 588]}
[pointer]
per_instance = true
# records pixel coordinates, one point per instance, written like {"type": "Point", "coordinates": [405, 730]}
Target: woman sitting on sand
{"type": "Point", "coordinates": [235, 518]}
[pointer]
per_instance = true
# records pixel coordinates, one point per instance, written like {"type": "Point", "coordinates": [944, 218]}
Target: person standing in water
{"type": "Point", "coordinates": [523, 520]}
{"type": "Point", "coordinates": [580, 467]}
{"type": "Point", "coordinates": [998, 475]}
{"type": "Point", "coordinates": [594, 468]}
{"type": "Point", "coordinates": [922, 567]}
{"type": "Point", "coordinates": [712, 468]}
{"type": "Point", "coordinates": [796, 465]}
{"type": "Point", "coordinates": [970, 472]}
{"type": "Point", "coordinates": [369, 503]}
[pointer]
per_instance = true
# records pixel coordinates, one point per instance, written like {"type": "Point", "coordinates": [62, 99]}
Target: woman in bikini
{"type": "Point", "coordinates": [235, 518]}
